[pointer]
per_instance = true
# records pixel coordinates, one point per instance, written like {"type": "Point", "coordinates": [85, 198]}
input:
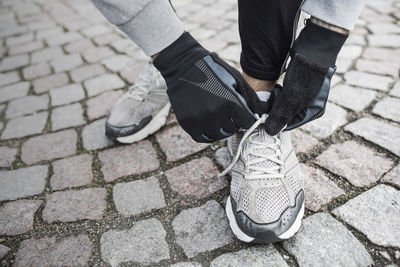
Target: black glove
{"type": "Point", "coordinates": [211, 100]}
{"type": "Point", "coordinates": [307, 81]}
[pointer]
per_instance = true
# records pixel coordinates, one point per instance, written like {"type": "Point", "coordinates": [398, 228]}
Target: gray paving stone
{"type": "Point", "coordinates": [3, 251]}
{"type": "Point", "coordinates": [14, 62]}
{"type": "Point", "coordinates": [302, 142]}
{"type": "Point", "coordinates": [17, 217]}
{"type": "Point", "coordinates": [67, 94]}
{"type": "Point", "coordinates": [44, 84]}
{"type": "Point", "coordinates": [356, 39]}
{"type": "Point", "coordinates": [214, 44]}
{"type": "Point", "coordinates": [128, 160]}
{"type": "Point", "coordinates": [78, 46]}
{"type": "Point", "coordinates": [197, 178]}
{"type": "Point", "coordinates": [94, 55]}
{"type": "Point", "coordinates": [24, 126]}
{"type": "Point", "coordinates": [15, 90]}
{"type": "Point", "coordinates": [223, 157]}
{"type": "Point", "coordinates": [253, 256]}
{"type": "Point", "coordinates": [138, 196]}
{"type": "Point", "coordinates": [143, 243]}
{"type": "Point", "coordinates": [10, 31]}
{"type": "Point", "coordinates": [380, 28]}
{"type": "Point", "coordinates": [343, 65]}
{"type": "Point", "coordinates": [384, 40]}
{"type": "Point", "coordinates": [20, 39]}
{"type": "Point", "coordinates": [177, 144]}
{"type": "Point", "coordinates": [388, 107]}
{"type": "Point", "coordinates": [378, 132]}
{"type": "Point", "coordinates": [75, 205]}
{"type": "Point", "coordinates": [367, 80]}
{"type": "Point", "coordinates": [206, 224]}
{"type": "Point", "coordinates": [66, 63]}
{"type": "Point", "coordinates": [96, 30]}
{"type": "Point", "coordinates": [67, 116]}
{"type": "Point", "coordinates": [7, 156]}
{"type": "Point", "coordinates": [100, 105]}
{"type": "Point", "coordinates": [63, 38]}
{"type": "Point", "coordinates": [25, 48]}
{"type": "Point", "coordinates": [100, 84]}
{"type": "Point", "coordinates": [350, 52]}
{"type": "Point", "coordinates": [44, 33]}
{"type": "Point", "coordinates": [378, 67]}
{"type": "Point", "coordinates": [231, 53]}
{"type": "Point", "coordinates": [9, 77]}
{"type": "Point", "coordinates": [36, 71]}
{"type": "Point", "coordinates": [93, 136]}
{"type": "Point", "coordinates": [123, 46]}
{"type": "Point", "coordinates": [333, 118]}
{"type": "Point", "coordinates": [360, 165]}
{"type": "Point", "coordinates": [116, 63]}
{"type": "Point", "coordinates": [372, 209]}
{"type": "Point", "coordinates": [49, 146]}
{"type": "Point", "coordinates": [46, 54]}
{"type": "Point", "coordinates": [393, 176]}
{"type": "Point", "coordinates": [72, 172]}
{"type": "Point", "coordinates": [51, 252]}
{"type": "Point", "coordinates": [106, 39]}
{"type": "Point", "coordinates": [85, 72]}
{"type": "Point", "coordinates": [22, 182]}
{"type": "Point", "coordinates": [353, 98]}
{"type": "Point", "coordinates": [396, 90]}
{"type": "Point", "coordinates": [319, 190]}
{"type": "Point", "coordinates": [186, 264]}
{"type": "Point", "coordinates": [26, 105]}
{"type": "Point", "coordinates": [323, 241]}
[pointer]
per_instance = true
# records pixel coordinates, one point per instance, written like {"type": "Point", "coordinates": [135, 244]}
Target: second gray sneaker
{"type": "Point", "coordinates": [141, 111]}
{"type": "Point", "coordinates": [266, 203]}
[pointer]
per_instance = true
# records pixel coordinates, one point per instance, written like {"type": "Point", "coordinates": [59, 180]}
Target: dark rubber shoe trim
{"type": "Point", "coordinates": [114, 132]}
{"type": "Point", "coordinates": [267, 233]}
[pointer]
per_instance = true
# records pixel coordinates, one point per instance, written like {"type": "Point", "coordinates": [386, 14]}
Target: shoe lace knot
{"type": "Point", "coordinates": [261, 165]}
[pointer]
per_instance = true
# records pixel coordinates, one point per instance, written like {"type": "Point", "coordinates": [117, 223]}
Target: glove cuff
{"type": "Point", "coordinates": [319, 44]}
{"type": "Point", "coordinates": [182, 53]}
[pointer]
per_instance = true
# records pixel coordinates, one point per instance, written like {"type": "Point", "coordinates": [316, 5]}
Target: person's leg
{"type": "Point", "coordinates": [267, 30]}
{"type": "Point", "coordinates": [340, 13]}
{"type": "Point", "coordinates": [151, 24]}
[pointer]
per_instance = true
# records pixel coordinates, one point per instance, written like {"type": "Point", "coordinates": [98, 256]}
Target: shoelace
{"type": "Point", "coordinates": [139, 90]}
{"type": "Point", "coordinates": [259, 172]}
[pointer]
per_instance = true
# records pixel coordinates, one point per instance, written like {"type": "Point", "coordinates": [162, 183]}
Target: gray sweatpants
{"type": "Point", "coordinates": [153, 24]}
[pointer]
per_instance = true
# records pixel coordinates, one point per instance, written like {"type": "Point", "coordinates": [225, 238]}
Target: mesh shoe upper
{"type": "Point", "coordinates": [266, 176]}
{"type": "Point", "coordinates": [145, 98]}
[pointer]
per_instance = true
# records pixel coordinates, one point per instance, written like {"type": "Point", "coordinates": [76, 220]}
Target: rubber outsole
{"type": "Point", "coordinates": [248, 239]}
{"type": "Point", "coordinates": [153, 126]}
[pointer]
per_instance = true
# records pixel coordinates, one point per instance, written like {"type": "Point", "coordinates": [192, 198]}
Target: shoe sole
{"type": "Point", "coordinates": [153, 126]}
{"type": "Point", "coordinates": [245, 238]}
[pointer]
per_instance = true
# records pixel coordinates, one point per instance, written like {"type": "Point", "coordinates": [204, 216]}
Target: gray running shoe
{"type": "Point", "coordinates": [266, 203]}
{"type": "Point", "coordinates": [141, 111]}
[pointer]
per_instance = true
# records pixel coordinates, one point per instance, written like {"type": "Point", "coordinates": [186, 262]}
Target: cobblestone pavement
{"type": "Point", "coordinates": [70, 197]}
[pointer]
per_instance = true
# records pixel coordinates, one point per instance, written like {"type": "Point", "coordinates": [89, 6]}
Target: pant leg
{"type": "Point", "coordinates": [341, 13]}
{"type": "Point", "coordinates": [151, 24]}
{"type": "Point", "coordinates": [267, 30]}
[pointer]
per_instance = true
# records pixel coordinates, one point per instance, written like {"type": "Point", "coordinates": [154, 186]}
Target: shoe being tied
{"type": "Point", "coordinates": [141, 111]}
{"type": "Point", "coordinates": [266, 202]}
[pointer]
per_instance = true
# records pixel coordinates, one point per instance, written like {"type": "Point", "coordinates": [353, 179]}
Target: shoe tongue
{"type": "Point", "coordinates": [263, 137]}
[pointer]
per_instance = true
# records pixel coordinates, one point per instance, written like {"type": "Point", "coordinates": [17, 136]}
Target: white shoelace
{"type": "Point", "coordinates": [139, 90]}
{"type": "Point", "coordinates": [257, 171]}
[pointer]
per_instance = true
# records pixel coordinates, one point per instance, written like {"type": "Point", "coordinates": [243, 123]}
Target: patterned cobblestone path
{"type": "Point", "coordinates": [70, 197]}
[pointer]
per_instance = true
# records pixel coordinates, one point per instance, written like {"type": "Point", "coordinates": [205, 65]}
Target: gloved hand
{"type": "Point", "coordinates": [307, 80]}
{"type": "Point", "coordinates": [211, 100]}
